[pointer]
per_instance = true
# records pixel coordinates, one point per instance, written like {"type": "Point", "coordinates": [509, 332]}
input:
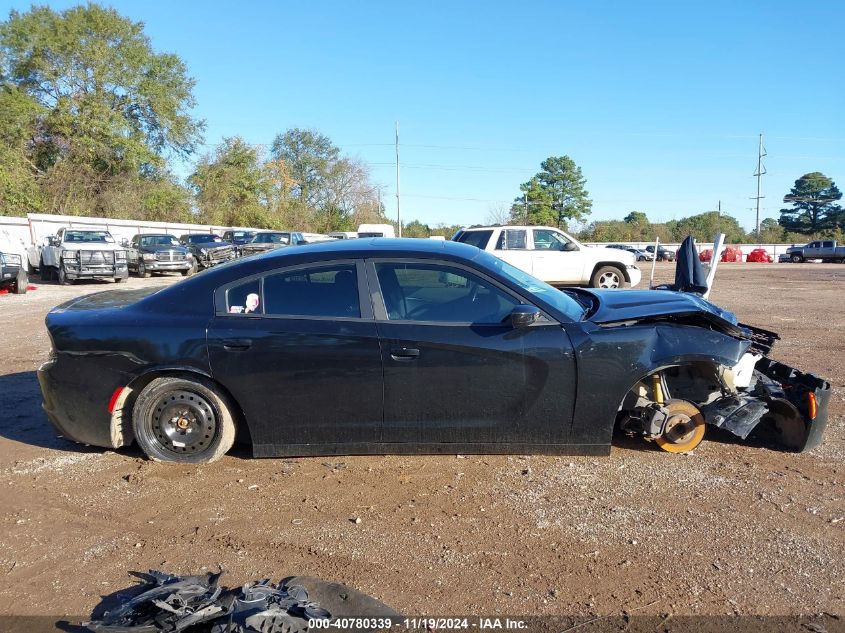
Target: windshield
{"type": "Point", "coordinates": [554, 297]}
{"type": "Point", "coordinates": [202, 238]}
{"type": "Point", "coordinates": [159, 240]}
{"type": "Point", "coordinates": [271, 238]}
{"type": "Point", "coordinates": [88, 236]}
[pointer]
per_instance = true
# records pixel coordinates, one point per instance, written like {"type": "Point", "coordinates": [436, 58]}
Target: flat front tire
{"type": "Point", "coordinates": [183, 420]}
{"type": "Point", "coordinates": [607, 277]}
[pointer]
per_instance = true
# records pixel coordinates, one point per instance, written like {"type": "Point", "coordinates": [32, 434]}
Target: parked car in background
{"type": "Point", "coordinates": [268, 240]}
{"type": "Point", "coordinates": [73, 254]}
{"type": "Point", "coordinates": [410, 346]}
{"type": "Point", "coordinates": [316, 238]}
{"type": "Point", "coordinates": [663, 253]}
{"type": "Point", "coordinates": [208, 249]}
{"type": "Point", "coordinates": [784, 258]}
{"type": "Point", "coordinates": [825, 250]}
{"type": "Point", "coordinates": [13, 275]}
{"type": "Point", "coordinates": [376, 230]}
{"type": "Point", "coordinates": [343, 235]}
{"type": "Point", "coordinates": [640, 254]}
{"type": "Point", "coordinates": [238, 238]}
{"type": "Point", "coordinates": [158, 253]}
{"type": "Point", "coordinates": [554, 256]}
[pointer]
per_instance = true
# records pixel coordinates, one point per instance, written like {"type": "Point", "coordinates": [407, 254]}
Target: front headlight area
{"type": "Point", "coordinates": [120, 256]}
{"type": "Point", "coordinates": [68, 254]}
{"type": "Point", "coordinates": [149, 257]}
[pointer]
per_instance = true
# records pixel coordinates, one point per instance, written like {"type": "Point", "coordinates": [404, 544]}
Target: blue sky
{"type": "Point", "coordinates": [660, 103]}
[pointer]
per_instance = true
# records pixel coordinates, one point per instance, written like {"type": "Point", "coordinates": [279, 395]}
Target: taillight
{"type": "Point", "coordinates": [812, 405]}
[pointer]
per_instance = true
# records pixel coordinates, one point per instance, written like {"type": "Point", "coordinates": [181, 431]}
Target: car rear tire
{"type": "Point", "coordinates": [608, 277]}
{"type": "Point", "coordinates": [183, 420]}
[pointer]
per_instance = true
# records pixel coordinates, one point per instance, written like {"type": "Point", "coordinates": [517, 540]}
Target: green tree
{"type": "Point", "coordinates": [415, 228]}
{"type": "Point", "coordinates": [704, 227]}
{"type": "Point", "coordinates": [555, 194]}
{"type": "Point", "coordinates": [770, 231]}
{"type": "Point", "coordinates": [94, 105]}
{"type": "Point", "coordinates": [309, 157]}
{"type": "Point", "coordinates": [813, 199]}
{"type": "Point", "coordinates": [231, 186]}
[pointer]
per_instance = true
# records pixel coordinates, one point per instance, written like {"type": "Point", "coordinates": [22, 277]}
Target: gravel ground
{"type": "Point", "coordinates": [730, 529]}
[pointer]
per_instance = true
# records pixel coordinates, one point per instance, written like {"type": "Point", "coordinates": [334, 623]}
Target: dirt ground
{"type": "Point", "coordinates": [730, 529]}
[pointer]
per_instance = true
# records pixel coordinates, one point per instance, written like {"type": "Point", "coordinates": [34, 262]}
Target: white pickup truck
{"type": "Point", "coordinates": [554, 256]}
{"type": "Point", "coordinates": [79, 254]}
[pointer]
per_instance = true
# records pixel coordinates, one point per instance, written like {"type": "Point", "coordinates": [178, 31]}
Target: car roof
{"type": "Point", "coordinates": [375, 246]}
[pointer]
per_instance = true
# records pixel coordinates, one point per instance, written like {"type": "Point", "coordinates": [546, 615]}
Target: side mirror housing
{"type": "Point", "coordinates": [570, 246]}
{"type": "Point", "coordinates": [523, 316]}
{"type": "Point", "coordinates": [124, 243]}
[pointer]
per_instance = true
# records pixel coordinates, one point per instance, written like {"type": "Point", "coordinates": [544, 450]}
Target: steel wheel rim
{"type": "Point", "coordinates": [182, 422]}
{"type": "Point", "coordinates": [609, 280]}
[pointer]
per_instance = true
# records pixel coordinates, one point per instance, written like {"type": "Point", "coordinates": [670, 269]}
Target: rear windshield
{"type": "Point", "coordinates": [479, 239]}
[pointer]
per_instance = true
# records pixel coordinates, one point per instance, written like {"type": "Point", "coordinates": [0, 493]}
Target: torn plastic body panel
{"type": "Point", "coordinates": [750, 392]}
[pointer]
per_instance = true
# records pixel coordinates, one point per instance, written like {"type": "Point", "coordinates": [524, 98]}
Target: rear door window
{"type": "Point", "coordinates": [479, 239]}
{"type": "Point", "coordinates": [323, 291]}
{"type": "Point", "coordinates": [512, 240]}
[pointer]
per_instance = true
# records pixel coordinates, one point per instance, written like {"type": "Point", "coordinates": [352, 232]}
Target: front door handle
{"type": "Point", "coordinates": [237, 344]}
{"type": "Point", "coordinates": [404, 353]}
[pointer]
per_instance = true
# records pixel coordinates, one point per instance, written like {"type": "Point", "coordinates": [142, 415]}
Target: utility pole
{"type": "Point", "coordinates": [761, 169]}
{"type": "Point", "coordinates": [719, 218]}
{"type": "Point", "coordinates": [398, 212]}
{"type": "Point", "coordinates": [525, 206]}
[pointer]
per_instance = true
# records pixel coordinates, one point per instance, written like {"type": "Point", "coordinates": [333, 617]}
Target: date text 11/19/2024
{"type": "Point", "coordinates": [419, 623]}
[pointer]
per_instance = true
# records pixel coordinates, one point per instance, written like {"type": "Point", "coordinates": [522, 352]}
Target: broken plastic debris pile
{"type": "Point", "coordinates": [164, 602]}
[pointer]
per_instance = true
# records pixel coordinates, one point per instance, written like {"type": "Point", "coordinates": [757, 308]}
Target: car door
{"type": "Point", "coordinates": [132, 252]}
{"type": "Point", "coordinates": [299, 351]}
{"type": "Point", "coordinates": [512, 246]}
{"type": "Point", "coordinates": [456, 371]}
{"type": "Point", "coordinates": [552, 263]}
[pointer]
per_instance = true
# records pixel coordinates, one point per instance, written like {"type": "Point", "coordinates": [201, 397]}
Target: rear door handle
{"type": "Point", "coordinates": [237, 344]}
{"type": "Point", "coordinates": [404, 353]}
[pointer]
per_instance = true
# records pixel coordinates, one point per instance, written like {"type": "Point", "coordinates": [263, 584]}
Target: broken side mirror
{"type": "Point", "coordinates": [523, 316]}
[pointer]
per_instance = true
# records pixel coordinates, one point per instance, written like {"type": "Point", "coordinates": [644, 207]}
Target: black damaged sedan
{"type": "Point", "coordinates": [409, 346]}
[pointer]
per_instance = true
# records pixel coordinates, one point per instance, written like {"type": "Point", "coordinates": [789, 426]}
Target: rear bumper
{"type": "Point", "coordinates": [77, 404]}
{"type": "Point", "coordinates": [9, 273]}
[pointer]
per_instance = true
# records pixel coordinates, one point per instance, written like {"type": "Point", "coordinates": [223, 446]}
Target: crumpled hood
{"type": "Point", "coordinates": [631, 305]}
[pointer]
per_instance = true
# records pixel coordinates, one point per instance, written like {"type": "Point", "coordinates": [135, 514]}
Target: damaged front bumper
{"type": "Point", "coordinates": [783, 404]}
